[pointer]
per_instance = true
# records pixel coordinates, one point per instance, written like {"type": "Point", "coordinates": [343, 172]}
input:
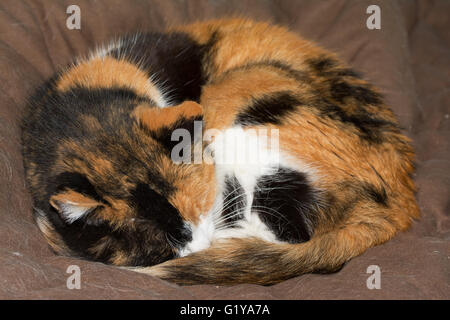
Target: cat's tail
{"type": "Point", "coordinates": [251, 260]}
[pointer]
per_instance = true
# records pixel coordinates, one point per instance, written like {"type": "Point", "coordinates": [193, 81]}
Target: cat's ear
{"type": "Point", "coordinates": [155, 118]}
{"type": "Point", "coordinates": [73, 205]}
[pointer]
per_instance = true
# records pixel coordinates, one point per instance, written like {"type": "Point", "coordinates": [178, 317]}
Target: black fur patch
{"type": "Point", "coordinates": [234, 201]}
{"type": "Point", "coordinates": [379, 196]}
{"type": "Point", "coordinates": [341, 90]}
{"type": "Point", "coordinates": [76, 182]}
{"type": "Point", "coordinates": [155, 208]}
{"type": "Point", "coordinates": [328, 67]}
{"type": "Point", "coordinates": [322, 65]}
{"type": "Point", "coordinates": [173, 60]}
{"type": "Point", "coordinates": [268, 109]}
{"type": "Point", "coordinates": [286, 202]}
{"type": "Point", "coordinates": [81, 236]}
{"type": "Point", "coordinates": [370, 126]}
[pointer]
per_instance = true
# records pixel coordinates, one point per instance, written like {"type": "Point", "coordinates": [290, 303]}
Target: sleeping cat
{"type": "Point", "coordinates": [98, 146]}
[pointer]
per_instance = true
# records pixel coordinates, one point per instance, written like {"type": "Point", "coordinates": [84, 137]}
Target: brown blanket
{"type": "Point", "coordinates": [408, 58]}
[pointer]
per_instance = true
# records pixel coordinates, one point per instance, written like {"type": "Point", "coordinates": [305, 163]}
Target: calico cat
{"type": "Point", "coordinates": [98, 144]}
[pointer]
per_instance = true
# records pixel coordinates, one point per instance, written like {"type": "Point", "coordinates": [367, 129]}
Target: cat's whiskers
{"type": "Point", "coordinates": [269, 211]}
{"type": "Point", "coordinates": [231, 202]}
{"type": "Point", "coordinates": [224, 218]}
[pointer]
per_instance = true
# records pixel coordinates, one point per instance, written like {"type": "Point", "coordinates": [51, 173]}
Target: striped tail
{"type": "Point", "coordinates": [251, 260]}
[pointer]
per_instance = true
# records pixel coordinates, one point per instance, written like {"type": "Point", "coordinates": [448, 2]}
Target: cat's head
{"type": "Point", "coordinates": [117, 194]}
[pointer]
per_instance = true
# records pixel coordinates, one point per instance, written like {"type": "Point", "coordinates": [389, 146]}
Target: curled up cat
{"type": "Point", "coordinates": [332, 175]}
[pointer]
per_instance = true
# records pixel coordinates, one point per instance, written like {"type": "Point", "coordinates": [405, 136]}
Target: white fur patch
{"type": "Point", "coordinates": [161, 97]}
{"type": "Point", "coordinates": [104, 50]}
{"type": "Point", "coordinates": [230, 145]}
{"type": "Point", "coordinates": [71, 211]}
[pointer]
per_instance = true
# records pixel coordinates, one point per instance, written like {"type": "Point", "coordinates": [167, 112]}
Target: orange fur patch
{"type": "Point", "coordinates": [73, 198]}
{"type": "Point", "coordinates": [262, 42]}
{"type": "Point", "coordinates": [194, 197]}
{"type": "Point", "coordinates": [155, 118]}
{"type": "Point", "coordinates": [107, 72]}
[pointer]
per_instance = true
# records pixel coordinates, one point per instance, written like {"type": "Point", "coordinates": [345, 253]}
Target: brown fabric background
{"type": "Point", "coordinates": [408, 59]}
